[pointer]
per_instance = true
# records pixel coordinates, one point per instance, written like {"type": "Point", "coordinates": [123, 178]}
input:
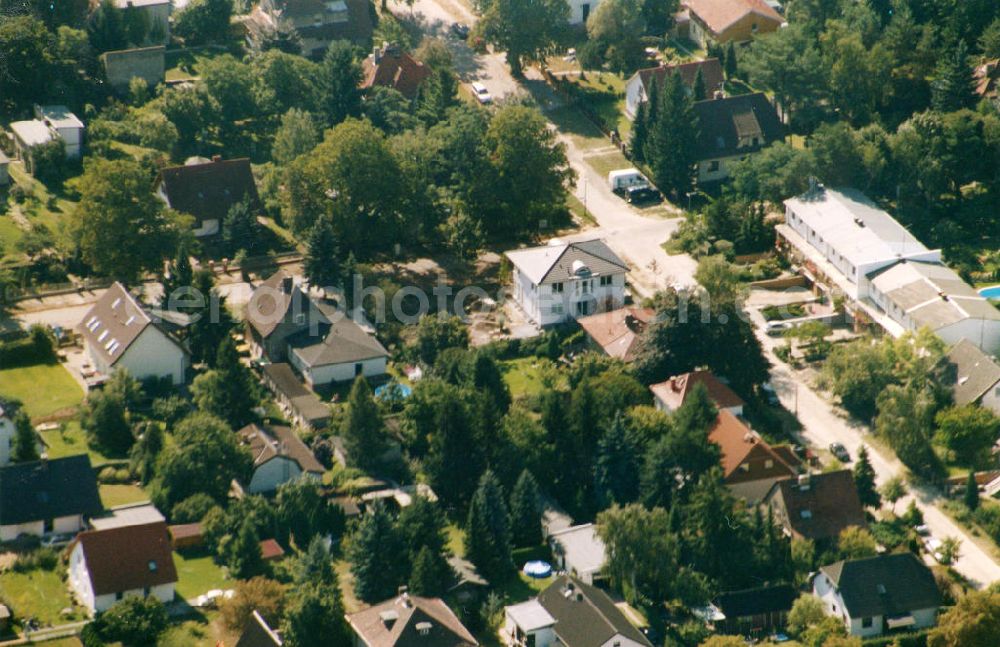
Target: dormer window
{"type": "Point", "coordinates": [806, 514]}
{"type": "Point", "coordinates": [152, 566]}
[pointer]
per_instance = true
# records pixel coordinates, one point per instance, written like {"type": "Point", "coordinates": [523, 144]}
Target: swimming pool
{"type": "Point", "coordinates": [992, 292]}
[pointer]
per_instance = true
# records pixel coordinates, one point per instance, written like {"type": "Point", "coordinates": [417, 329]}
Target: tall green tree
{"type": "Point", "coordinates": [119, 225]}
{"type": "Point", "coordinates": [105, 419]}
{"type": "Point", "coordinates": [228, 390]}
{"type": "Point", "coordinates": [526, 30]}
{"type": "Point", "coordinates": [526, 512]}
{"type": "Point", "coordinates": [146, 450]}
{"type": "Point", "coordinates": [373, 552]}
{"type": "Point", "coordinates": [181, 276]}
{"type": "Point", "coordinates": [205, 457]}
{"type": "Point", "coordinates": [487, 531]}
{"type": "Point", "coordinates": [454, 461]}
{"type": "Point", "coordinates": [314, 616]}
{"type": "Point", "coordinates": [204, 21]}
{"type": "Point", "coordinates": [486, 378]}
{"type": "Point", "coordinates": [971, 497]}
{"type": "Point", "coordinates": [342, 74]}
{"type": "Point", "coordinates": [969, 432]}
{"type": "Point", "coordinates": [422, 525]}
{"type": "Point", "coordinates": [25, 442]}
{"type": "Point", "coordinates": [616, 476]}
{"type": "Point", "coordinates": [954, 83]}
{"type": "Point", "coordinates": [322, 263]}
{"type": "Point", "coordinates": [617, 26]}
{"type": "Point", "coordinates": [363, 432]}
{"type": "Point", "coordinates": [732, 64]}
{"type": "Point", "coordinates": [430, 575]}
{"type": "Point", "coordinates": [212, 324]}
{"type": "Point", "coordinates": [864, 480]}
{"type": "Point", "coordinates": [297, 134]}
{"type": "Point", "coordinates": [240, 229]}
{"type": "Point", "coordinates": [302, 510]}
{"type": "Point", "coordinates": [673, 138]}
{"type": "Point", "coordinates": [643, 553]}
{"type": "Point", "coordinates": [243, 552]}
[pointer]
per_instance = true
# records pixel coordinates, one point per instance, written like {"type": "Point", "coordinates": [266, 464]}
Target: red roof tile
{"type": "Point", "coordinates": [711, 72]}
{"type": "Point", "coordinates": [719, 15]}
{"type": "Point", "coordinates": [742, 446]}
{"type": "Point", "coordinates": [675, 391]}
{"type": "Point", "coordinates": [618, 331]}
{"type": "Point", "coordinates": [270, 549]}
{"type": "Point", "coordinates": [128, 557]}
{"type": "Point", "coordinates": [394, 68]}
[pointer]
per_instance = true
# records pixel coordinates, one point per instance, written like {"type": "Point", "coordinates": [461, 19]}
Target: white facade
{"type": "Point", "coordinates": [553, 303]}
{"type": "Point", "coordinates": [268, 476]}
{"type": "Point", "coordinates": [580, 10]}
{"type": "Point", "coordinates": [715, 170]}
{"type": "Point", "coordinates": [529, 622]}
{"type": "Point", "coordinates": [60, 121]}
{"type": "Point", "coordinates": [866, 627]}
{"type": "Point", "coordinates": [152, 354]}
{"type": "Point", "coordinates": [62, 525]}
{"type": "Point", "coordinates": [318, 375]}
{"type": "Point", "coordinates": [79, 584]}
{"type": "Point", "coordinates": [7, 432]}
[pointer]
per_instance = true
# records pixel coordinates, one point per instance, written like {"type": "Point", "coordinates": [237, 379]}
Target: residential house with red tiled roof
{"type": "Point", "coordinates": [638, 86]}
{"type": "Point", "coordinates": [724, 21]}
{"type": "Point", "coordinates": [618, 332]}
{"type": "Point", "coordinates": [391, 67]}
{"type": "Point", "coordinates": [409, 621]}
{"type": "Point", "coordinates": [671, 394]}
{"type": "Point", "coordinates": [108, 565]}
{"type": "Point", "coordinates": [817, 506]}
{"type": "Point", "coordinates": [750, 466]}
{"type": "Point", "coordinates": [279, 456]}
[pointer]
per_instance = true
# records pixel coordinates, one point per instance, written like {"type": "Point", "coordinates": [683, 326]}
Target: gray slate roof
{"type": "Point", "coordinates": [886, 585]}
{"type": "Point", "coordinates": [48, 489]}
{"type": "Point", "coordinates": [340, 342]}
{"type": "Point", "coordinates": [973, 371]}
{"type": "Point", "coordinates": [553, 263]}
{"type": "Point", "coordinates": [585, 615]}
{"type": "Point", "coordinates": [722, 123]}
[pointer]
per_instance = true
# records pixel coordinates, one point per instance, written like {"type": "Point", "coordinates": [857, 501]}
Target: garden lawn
{"type": "Point", "coordinates": [524, 376]}
{"type": "Point", "coordinates": [197, 574]}
{"type": "Point", "coordinates": [113, 495]}
{"type": "Point", "coordinates": [203, 630]}
{"type": "Point", "coordinates": [43, 388]}
{"type": "Point", "coordinates": [71, 440]}
{"type": "Point", "coordinates": [38, 594]}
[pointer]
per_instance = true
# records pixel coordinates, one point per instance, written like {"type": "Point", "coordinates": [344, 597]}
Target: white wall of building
{"type": "Point", "coordinates": [152, 354]}
{"type": "Point", "coordinates": [635, 94]}
{"type": "Point", "coordinates": [619, 640]}
{"type": "Point", "coordinates": [546, 305]}
{"type": "Point", "coordinates": [273, 473]}
{"type": "Point", "coordinates": [544, 637]}
{"type": "Point", "coordinates": [580, 10]}
{"type": "Point", "coordinates": [825, 590]}
{"type": "Point", "coordinates": [63, 525]}
{"type": "Point", "coordinates": [981, 332]}
{"type": "Point", "coordinates": [6, 439]}
{"type": "Point", "coordinates": [714, 170]}
{"type": "Point", "coordinates": [327, 373]}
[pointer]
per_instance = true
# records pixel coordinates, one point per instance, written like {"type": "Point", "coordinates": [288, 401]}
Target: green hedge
{"type": "Point", "coordinates": [911, 639]}
{"type": "Point", "coordinates": [36, 348]}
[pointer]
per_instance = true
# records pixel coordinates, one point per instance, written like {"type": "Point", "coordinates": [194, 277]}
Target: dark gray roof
{"type": "Point", "coordinates": [585, 615]}
{"type": "Point", "coordinates": [115, 322]}
{"type": "Point", "coordinates": [48, 489]}
{"type": "Point", "coordinates": [279, 300]}
{"type": "Point", "coordinates": [258, 634]}
{"type": "Point", "coordinates": [972, 373]}
{"type": "Point", "coordinates": [751, 602]}
{"type": "Point", "coordinates": [269, 441]}
{"type": "Point", "coordinates": [339, 342]}
{"type": "Point", "coordinates": [283, 380]}
{"type": "Point", "coordinates": [886, 585]}
{"type": "Point", "coordinates": [723, 122]}
{"type": "Point", "coordinates": [557, 261]}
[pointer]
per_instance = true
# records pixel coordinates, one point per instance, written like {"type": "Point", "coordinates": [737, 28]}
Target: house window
{"type": "Point", "coordinates": [753, 28]}
{"type": "Point", "coordinates": [557, 288]}
{"type": "Point", "coordinates": [583, 287]}
{"type": "Point", "coordinates": [745, 467]}
{"type": "Point", "coordinates": [557, 308]}
{"type": "Point", "coordinates": [585, 10]}
{"type": "Point", "coordinates": [118, 595]}
{"type": "Point", "coordinates": [529, 640]}
{"type": "Point", "coordinates": [713, 166]}
{"type": "Point", "coordinates": [607, 280]}
{"type": "Point", "coordinates": [768, 464]}
{"type": "Point", "coordinates": [358, 369]}
{"type": "Point", "coordinates": [866, 622]}
{"type": "Point", "coordinates": [583, 307]}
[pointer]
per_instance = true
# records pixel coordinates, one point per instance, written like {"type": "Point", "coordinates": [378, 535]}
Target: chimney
{"type": "Point", "coordinates": [286, 285]}
{"type": "Point", "coordinates": [719, 94]}
{"type": "Point", "coordinates": [216, 158]}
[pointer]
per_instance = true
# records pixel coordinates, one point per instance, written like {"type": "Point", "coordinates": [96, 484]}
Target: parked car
{"type": "Point", "coordinates": [933, 546]}
{"type": "Point", "coordinates": [777, 328]}
{"type": "Point", "coordinates": [923, 530]}
{"type": "Point", "coordinates": [770, 395]}
{"type": "Point", "coordinates": [460, 30]}
{"type": "Point", "coordinates": [838, 450]}
{"type": "Point", "coordinates": [483, 95]}
{"type": "Point", "coordinates": [621, 179]}
{"type": "Point", "coordinates": [56, 540]}
{"type": "Point", "coordinates": [640, 194]}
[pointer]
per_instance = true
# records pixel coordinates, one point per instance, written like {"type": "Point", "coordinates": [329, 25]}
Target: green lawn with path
{"type": "Point", "coordinates": [525, 376]}
{"type": "Point", "coordinates": [197, 574]}
{"type": "Point", "coordinates": [70, 440]}
{"type": "Point", "coordinates": [39, 594]}
{"type": "Point", "coordinates": [43, 388]}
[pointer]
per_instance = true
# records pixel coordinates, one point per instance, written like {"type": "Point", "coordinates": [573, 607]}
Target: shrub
{"type": "Point", "coordinates": [45, 559]}
{"type": "Point", "coordinates": [37, 348]}
{"type": "Point", "coordinates": [192, 509]}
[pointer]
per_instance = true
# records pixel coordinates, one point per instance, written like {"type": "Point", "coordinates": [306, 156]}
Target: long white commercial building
{"type": "Point", "coordinates": [843, 240]}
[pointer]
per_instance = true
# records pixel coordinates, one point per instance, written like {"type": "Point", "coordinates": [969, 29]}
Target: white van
{"type": "Point", "coordinates": [622, 179]}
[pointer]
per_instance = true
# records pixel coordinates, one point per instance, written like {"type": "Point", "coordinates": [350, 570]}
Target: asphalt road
{"type": "Point", "coordinates": [823, 424]}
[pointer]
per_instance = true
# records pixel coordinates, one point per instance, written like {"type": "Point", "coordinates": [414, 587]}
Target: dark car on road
{"type": "Point", "coordinates": [459, 30]}
{"type": "Point", "coordinates": [641, 194]}
{"type": "Point", "coordinates": [840, 452]}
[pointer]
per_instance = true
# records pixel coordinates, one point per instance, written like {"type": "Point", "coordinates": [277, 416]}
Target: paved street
{"type": "Point", "coordinates": [823, 425]}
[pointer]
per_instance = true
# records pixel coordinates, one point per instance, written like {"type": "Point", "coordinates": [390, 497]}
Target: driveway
{"type": "Point", "coordinates": [823, 424]}
{"type": "Point", "coordinates": [633, 236]}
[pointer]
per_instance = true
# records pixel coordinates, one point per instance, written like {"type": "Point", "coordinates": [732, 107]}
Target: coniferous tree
{"type": "Point", "coordinates": [212, 324]}
{"type": "Point", "coordinates": [731, 62]}
{"type": "Point", "coordinates": [145, 451]}
{"type": "Point", "coordinates": [487, 531]}
{"type": "Point", "coordinates": [698, 90]}
{"type": "Point", "coordinates": [486, 377]}
{"type": "Point", "coordinates": [314, 616]}
{"type": "Point", "coordinates": [321, 258]}
{"type": "Point", "coordinates": [363, 431]}
{"type": "Point", "coordinates": [616, 478]}
{"type": "Point", "coordinates": [374, 553]}
{"type": "Point", "coordinates": [455, 459]}
{"type": "Point", "coordinates": [971, 498]}
{"type": "Point", "coordinates": [652, 114]}
{"type": "Point", "coordinates": [864, 480]}
{"type": "Point", "coordinates": [314, 567]}
{"type": "Point", "coordinates": [430, 575]}
{"type": "Point", "coordinates": [227, 391]}
{"type": "Point", "coordinates": [240, 229]}
{"type": "Point", "coordinates": [673, 138]}
{"type": "Point", "coordinates": [954, 84]}
{"type": "Point", "coordinates": [640, 131]}
{"type": "Point", "coordinates": [244, 557]}
{"type": "Point", "coordinates": [25, 445]}
{"type": "Point", "coordinates": [181, 275]}
{"type": "Point", "coordinates": [422, 525]}
{"type": "Point", "coordinates": [526, 512]}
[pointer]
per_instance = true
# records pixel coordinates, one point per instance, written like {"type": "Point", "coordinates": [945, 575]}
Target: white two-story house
{"type": "Point", "coordinates": [879, 594]}
{"type": "Point", "coordinates": [562, 281]}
